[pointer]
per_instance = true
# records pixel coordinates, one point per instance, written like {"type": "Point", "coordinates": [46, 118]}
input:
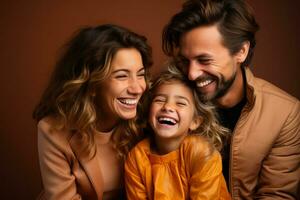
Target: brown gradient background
{"type": "Point", "coordinates": [33, 31]}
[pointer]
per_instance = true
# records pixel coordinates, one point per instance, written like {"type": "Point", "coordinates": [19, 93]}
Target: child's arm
{"type": "Point", "coordinates": [207, 181]}
{"type": "Point", "coordinates": [135, 187]}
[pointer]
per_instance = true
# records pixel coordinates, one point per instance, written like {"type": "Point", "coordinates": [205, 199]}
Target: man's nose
{"type": "Point", "coordinates": [194, 71]}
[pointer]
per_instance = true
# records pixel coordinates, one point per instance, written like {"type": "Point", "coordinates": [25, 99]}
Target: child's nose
{"type": "Point", "coordinates": [168, 107]}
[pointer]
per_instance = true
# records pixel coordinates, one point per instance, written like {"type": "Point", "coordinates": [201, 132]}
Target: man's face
{"type": "Point", "coordinates": [208, 62]}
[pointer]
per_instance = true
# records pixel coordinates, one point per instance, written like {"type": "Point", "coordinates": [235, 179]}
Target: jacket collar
{"type": "Point", "coordinates": [90, 165]}
{"type": "Point", "coordinates": [250, 89]}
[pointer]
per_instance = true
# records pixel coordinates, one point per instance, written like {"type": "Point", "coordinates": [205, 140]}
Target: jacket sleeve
{"type": "Point", "coordinates": [58, 181]}
{"type": "Point", "coordinates": [280, 173]}
{"type": "Point", "coordinates": [135, 187]}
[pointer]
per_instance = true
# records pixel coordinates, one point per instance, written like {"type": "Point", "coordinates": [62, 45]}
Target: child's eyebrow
{"type": "Point", "coordinates": [176, 96]}
{"type": "Point", "coordinates": [159, 94]}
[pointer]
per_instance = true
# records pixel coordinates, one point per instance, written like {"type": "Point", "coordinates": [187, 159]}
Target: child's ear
{"type": "Point", "coordinates": [196, 123]}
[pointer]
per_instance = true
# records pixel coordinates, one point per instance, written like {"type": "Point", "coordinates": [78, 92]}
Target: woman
{"type": "Point", "coordinates": [86, 115]}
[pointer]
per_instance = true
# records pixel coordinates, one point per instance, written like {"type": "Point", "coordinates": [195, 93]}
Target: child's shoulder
{"type": "Point", "coordinates": [141, 148]}
{"type": "Point", "coordinates": [196, 140]}
{"type": "Point", "coordinates": [197, 146]}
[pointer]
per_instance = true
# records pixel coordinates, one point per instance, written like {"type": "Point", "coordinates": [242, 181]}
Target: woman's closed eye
{"type": "Point", "coordinates": [121, 76]}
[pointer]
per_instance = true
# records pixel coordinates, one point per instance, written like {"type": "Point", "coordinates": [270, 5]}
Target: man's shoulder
{"type": "Point", "coordinates": [273, 101]}
{"type": "Point", "coordinates": [270, 92]}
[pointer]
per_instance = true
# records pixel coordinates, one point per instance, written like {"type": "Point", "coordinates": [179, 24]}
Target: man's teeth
{"type": "Point", "coordinates": [129, 101]}
{"type": "Point", "coordinates": [204, 83]}
{"type": "Point", "coordinates": [167, 120]}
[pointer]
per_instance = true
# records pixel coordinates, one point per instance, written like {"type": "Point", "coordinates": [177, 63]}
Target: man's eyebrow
{"type": "Point", "coordinates": [200, 56]}
{"type": "Point", "coordinates": [203, 56]}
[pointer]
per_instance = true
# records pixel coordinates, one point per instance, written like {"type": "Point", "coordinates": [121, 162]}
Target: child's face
{"type": "Point", "coordinates": [172, 111]}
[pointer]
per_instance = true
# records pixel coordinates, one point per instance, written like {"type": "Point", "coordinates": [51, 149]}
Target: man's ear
{"type": "Point", "coordinates": [197, 121]}
{"type": "Point", "coordinates": [241, 55]}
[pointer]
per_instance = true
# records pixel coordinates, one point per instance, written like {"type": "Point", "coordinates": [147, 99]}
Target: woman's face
{"type": "Point", "coordinates": [118, 95]}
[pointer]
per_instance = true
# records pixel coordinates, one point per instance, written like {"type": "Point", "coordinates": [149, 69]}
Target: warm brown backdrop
{"type": "Point", "coordinates": [31, 32]}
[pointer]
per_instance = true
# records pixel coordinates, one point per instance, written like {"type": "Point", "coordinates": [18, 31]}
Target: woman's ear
{"type": "Point", "coordinates": [93, 94]}
{"type": "Point", "coordinates": [195, 123]}
{"type": "Point", "coordinates": [242, 54]}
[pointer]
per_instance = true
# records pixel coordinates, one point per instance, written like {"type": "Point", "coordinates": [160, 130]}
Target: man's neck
{"type": "Point", "coordinates": [235, 93]}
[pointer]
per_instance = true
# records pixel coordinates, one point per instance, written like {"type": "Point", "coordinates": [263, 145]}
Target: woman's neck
{"type": "Point", "coordinates": [104, 126]}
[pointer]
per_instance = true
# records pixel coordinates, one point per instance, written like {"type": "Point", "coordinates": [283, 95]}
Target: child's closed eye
{"type": "Point", "coordinates": [181, 103]}
{"type": "Point", "coordinates": [159, 99]}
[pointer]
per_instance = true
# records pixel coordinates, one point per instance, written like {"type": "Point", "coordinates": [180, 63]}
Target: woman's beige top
{"type": "Point", "coordinates": [110, 165]}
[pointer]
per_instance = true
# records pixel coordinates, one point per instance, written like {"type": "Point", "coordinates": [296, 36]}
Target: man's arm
{"type": "Point", "coordinates": [280, 173]}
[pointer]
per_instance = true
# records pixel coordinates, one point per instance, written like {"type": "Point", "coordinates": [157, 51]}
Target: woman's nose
{"type": "Point", "coordinates": [136, 86]}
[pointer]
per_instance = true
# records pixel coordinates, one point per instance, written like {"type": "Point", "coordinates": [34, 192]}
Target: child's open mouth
{"type": "Point", "coordinates": [167, 121]}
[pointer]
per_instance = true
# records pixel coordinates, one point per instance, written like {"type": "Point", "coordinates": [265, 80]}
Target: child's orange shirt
{"type": "Point", "coordinates": [191, 172]}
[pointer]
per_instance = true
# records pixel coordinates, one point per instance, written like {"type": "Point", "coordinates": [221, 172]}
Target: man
{"type": "Point", "coordinates": [213, 42]}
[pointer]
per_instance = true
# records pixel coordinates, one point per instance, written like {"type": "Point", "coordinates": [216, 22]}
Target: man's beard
{"type": "Point", "coordinates": [222, 88]}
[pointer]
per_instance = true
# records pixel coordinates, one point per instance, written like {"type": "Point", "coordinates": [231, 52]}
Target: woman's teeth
{"type": "Point", "coordinates": [129, 101]}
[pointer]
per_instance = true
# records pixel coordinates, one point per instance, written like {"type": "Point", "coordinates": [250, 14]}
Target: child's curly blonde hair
{"type": "Point", "coordinates": [209, 127]}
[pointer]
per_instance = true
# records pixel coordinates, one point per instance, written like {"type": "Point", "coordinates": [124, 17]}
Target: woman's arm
{"type": "Point", "coordinates": [58, 180]}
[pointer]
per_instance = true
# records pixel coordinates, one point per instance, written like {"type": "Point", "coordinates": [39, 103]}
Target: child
{"type": "Point", "coordinates": [176, 161]}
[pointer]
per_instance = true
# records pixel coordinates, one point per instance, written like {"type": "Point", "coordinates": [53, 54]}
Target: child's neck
{"type": "Point", "coordinates": [167, 145]}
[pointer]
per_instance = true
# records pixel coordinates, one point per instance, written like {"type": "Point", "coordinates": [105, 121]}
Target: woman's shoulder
{"type": "Point", "coordinates": [50, 128]}
{"type": "Point", "coordinates": [53, 142]}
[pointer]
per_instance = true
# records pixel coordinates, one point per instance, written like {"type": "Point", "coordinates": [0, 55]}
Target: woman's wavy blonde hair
{"type": "Point", "coordinates": [86, 63]}
{"type": "Point", "coordinates": [209, 127]}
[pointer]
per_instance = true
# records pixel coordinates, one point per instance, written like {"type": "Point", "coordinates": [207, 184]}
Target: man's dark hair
{"type": "Point", "coordinates": [234, 19]}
